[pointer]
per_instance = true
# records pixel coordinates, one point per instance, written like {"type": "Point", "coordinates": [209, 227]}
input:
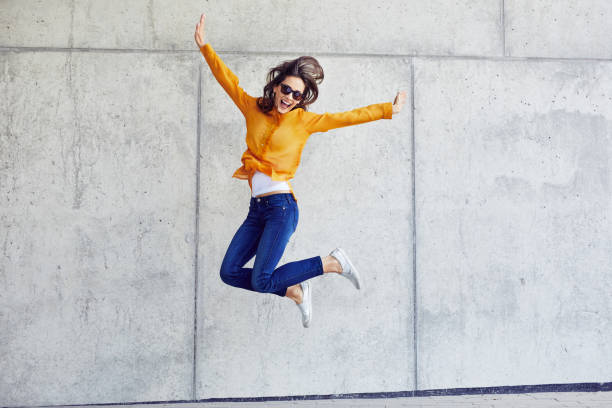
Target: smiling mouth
{"type": "Point", "coordinates": [285, 104]}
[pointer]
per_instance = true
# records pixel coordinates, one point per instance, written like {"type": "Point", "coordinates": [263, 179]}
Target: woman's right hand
{"type": "Point", "coordinates": [199, 32]}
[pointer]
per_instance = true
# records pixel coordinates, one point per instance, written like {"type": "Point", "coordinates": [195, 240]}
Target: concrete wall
{"type": "Point", "coordinates": [480, 216]}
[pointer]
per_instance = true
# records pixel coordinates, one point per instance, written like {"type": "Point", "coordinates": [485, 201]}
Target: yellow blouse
{"type": "Point", "coordinates": [275, 141]}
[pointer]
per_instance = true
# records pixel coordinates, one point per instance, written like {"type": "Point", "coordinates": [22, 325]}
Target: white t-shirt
{"type": "Point", "coordinates": [262, 183]}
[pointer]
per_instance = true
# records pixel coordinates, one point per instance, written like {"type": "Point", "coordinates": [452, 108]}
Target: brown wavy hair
{"type": "Point", "coordinates": [305, 67]}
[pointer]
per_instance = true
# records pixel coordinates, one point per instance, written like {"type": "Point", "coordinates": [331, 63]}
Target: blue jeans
{"type": "Point", "coordinates": [264, 234]}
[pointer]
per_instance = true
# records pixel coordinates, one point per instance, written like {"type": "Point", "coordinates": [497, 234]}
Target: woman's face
{"type": "Point", "coordinates": [284, 103]}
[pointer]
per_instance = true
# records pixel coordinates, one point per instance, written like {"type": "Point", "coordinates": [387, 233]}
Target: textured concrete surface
{"type": "Point", "coordinates": [96, 265]}
{"type": "Point", "coordinates": [514, 202]}
{"type": "Point", "coordinates": [558, 28]}
{"type": "Point", "coordinates": [353, 190]}
{"type": "Point", "coordinates": [99, 216]}
{"type": "Point", "coordinates": [465, 27]}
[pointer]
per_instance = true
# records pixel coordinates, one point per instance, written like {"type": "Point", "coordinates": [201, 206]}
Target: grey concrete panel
{"type": "Point", "coordinates": [144, 24]}
{"type": "Point", "coordinates": [33, 23]}
{"type": "Point", "coordinates": [97, 190]}
{"type": "Point", "coordinates": [354, 190]}
{"type": "Point", "coordinates": [464, 27]}
{"type": "Point", "coordinates": [513, 207]}
{"type": "Point", "coordinates": [559, 28]}
{"type": "Point", "coordinates": [349, 26]}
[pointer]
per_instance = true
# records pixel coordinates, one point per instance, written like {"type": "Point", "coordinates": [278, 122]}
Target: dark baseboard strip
{"type": "Point", "coordinates": [520, 389]}
{"type": "Point", "coordinates": [511, 389]}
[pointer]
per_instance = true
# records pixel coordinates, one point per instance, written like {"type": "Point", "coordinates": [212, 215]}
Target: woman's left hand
{"type": "Point", "coordinates": [399, 101]}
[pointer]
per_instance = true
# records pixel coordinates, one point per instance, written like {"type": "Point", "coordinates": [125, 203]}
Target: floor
{"type": "Point", "coordinates": [532, 400]}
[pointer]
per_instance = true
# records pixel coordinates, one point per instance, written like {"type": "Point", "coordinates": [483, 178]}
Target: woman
{"type": "Point", "coordinates": [278, 125]}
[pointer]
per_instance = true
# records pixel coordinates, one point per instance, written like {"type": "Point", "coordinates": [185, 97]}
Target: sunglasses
{"type": "Point", "coordinates": [286, 89]}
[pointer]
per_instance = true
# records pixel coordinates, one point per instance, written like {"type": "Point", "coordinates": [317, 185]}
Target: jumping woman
{"type": "Point", "coordinates": [278, 126]}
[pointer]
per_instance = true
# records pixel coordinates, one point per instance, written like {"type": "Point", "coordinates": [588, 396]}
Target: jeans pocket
{"type": "Point", "coordinates": [279, 212]}
{"type": "Point", "coordinates": [278, 205]}
{"type": "Point", "coordinates": [276, 201]}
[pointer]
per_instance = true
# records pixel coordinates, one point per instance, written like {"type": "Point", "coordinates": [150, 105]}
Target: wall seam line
{"type": "Point", "coordinates": [414, 237]}
{"type": "Point", "coordinates": [196, 236]}
{"type": "Point", "coordinates": [503, 26]}
{"type": "Point", "coordinates": [322, 54]}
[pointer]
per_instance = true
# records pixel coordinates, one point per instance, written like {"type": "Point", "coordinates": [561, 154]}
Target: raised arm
{"type": "Point", "coordinates": [222, 73]}
{"type": "Point", "coordinates": [315, 122]}
{"type": "Point", "coordinates": [322, 123]}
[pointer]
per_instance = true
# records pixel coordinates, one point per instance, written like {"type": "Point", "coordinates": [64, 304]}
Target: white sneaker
{"type": "Point", "coordinates": [306, 305]}
{"type": "Point", "coordinates": [348, 269]}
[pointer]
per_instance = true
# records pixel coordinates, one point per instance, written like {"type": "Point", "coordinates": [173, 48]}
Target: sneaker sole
{"type": "Point", "coordinates": [353, 269]}
{"type": "Point", "coordinates": [308, 299]}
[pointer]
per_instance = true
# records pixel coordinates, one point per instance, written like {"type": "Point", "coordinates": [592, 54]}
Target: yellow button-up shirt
{"type": "Point", "coordinates": [275, 141]}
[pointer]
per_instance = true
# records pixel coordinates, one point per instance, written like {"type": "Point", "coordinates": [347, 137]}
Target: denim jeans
{"type": "Point", "coordinates": [264, 234]}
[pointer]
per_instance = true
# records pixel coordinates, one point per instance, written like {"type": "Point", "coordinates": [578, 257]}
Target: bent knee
{"type": "Point", "coordinates": [262, 285]}
{"type": "Point", "coordinates": [227, 274]}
